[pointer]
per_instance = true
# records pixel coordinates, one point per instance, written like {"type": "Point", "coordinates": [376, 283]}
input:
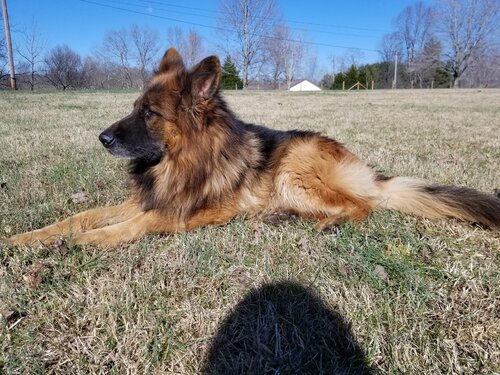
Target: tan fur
{"type": "Point", "coordinates": [402, 194]}
{"type": "Point", "coordinates": [214, 167]}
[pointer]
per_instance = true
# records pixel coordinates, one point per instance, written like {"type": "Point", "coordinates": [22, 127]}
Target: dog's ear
{"type": "Point", "coordinates": [205, 79]}
{"type": "Point", "coordinates": [171, 61]}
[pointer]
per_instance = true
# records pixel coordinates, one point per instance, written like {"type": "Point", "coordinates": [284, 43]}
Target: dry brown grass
{"type": "Point", "coordinates": [420, 296]}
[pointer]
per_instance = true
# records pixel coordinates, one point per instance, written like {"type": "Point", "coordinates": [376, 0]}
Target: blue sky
{"type": "Point", "coordinates": [330, 24]}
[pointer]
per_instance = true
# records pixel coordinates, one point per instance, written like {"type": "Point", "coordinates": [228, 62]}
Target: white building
{"type": "Point", "coordinates": [305, 85]}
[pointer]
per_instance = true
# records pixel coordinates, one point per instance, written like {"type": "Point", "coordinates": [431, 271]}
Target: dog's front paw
{"type": "Point", "coordinates": [18, 239]}
{"type": "Point", "coordinates": [30, 239]}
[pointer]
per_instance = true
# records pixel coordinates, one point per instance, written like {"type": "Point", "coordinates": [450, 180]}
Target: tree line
{"type": "Point", "coordinates": [451, 44]}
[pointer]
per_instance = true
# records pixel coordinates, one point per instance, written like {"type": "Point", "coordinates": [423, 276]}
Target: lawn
{"type": "Point", "coordinates": [396, 294]}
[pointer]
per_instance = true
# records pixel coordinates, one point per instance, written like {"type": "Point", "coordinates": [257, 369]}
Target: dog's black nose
{"type": "Point", "coordinates": [106, 139]}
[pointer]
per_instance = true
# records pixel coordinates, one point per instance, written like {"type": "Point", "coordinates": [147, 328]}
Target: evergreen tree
{"type": "Point", "coordinates": [339, 78]}
{"type": "Point", "coordinates": [442, 78]}
{"type": "Point", "coordinates": [230, 78]}
{"type": "Point", "coordinates": [366, 75]}
{"type": "Point", "coordinates": [351, 76]}
{"type": "Point", "coordinates": [363, 76]}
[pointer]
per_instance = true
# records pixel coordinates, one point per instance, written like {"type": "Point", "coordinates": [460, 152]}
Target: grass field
{"type": "Point", "coordinates": [396, 294]}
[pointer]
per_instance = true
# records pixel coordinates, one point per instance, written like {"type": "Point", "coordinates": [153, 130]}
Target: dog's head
{"type": "Point", "coordinates": [174, 105]}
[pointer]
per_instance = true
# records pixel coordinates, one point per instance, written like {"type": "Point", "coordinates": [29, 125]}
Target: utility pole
{"type": "Point", "coordinates": [333, 69]}
{"type": "Point", "coordinates": [9, 45]}
{"type": "Point", "coordinates": [395, 79]}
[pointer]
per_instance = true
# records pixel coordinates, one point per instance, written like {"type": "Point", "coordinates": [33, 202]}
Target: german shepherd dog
{"type": "Point", "coordinates": [194, 163]}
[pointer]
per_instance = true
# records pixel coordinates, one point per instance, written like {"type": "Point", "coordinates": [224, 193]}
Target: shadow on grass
{"type": "Point", "coordinates": [284, 328]}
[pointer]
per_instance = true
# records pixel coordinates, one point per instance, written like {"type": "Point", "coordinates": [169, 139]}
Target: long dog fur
{"type": "Point", "coordinates": [194, 163]}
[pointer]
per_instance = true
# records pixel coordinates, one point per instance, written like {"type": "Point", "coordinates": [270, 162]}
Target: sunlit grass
{"type": "Point", "coordinates": [421, 295]}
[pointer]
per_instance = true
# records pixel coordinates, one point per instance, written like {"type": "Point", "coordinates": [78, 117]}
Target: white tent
{"type": "Point", "coordinates": [305, 85]}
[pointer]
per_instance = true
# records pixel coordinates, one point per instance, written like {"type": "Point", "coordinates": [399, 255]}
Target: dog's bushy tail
{"type": "Point", "coordinates": [435, 201]}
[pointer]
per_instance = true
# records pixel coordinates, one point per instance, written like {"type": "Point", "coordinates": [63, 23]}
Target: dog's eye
{"type": "Point", "coordinates": [147, 114]}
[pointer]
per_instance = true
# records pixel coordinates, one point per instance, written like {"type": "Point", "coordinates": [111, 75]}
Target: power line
{"type": "Point", "coordinates": [269, 18]}
{"type": "Point", "coordinates": [221, 28]}
{"type": "Point", "coordinates": [178, 6]}
{"type": "Point", "coordinates": [148, 2]}
{"type": "Point", "coordinates": [154, 15]}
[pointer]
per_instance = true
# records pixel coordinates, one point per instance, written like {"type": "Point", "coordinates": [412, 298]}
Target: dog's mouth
{"type": "Point", "coordinates": [120, 152]}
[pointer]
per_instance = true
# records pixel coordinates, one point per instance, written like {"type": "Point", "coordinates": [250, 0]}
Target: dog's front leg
{"type": "Point", "coordinates": [84, 221]}
{"type": "Point", "coordinates": [149, 222]}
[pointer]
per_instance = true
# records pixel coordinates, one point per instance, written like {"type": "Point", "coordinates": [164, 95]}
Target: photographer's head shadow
{"type": "Point", "coordinates": [284, 328]}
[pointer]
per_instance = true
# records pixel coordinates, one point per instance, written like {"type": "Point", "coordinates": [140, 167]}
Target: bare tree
{"type": "Point", "coordinates": [101, 74]}
{"type": "Point", "coordinates": [176, 39]}
{"type": "Point", "coordinates": [274, 54]}
{"type": "Point", "coordinates": [285, 52]}
{"type": "Point", "coordinates": [293, 53]}
{"type": "Point", "coordinates": [190, 46]}
{"type": "Point", "coordinates": [427, 62]}
{"type": "Point", "coordinates": [3, 46]}
{"type": "Point", "coordinates": [413, 28]}
{"type": "Point", "coordinates": [484, 70]}
{"type": "Point", "coordinates": [247, 23]}
{"type": "Point", "coordinates": [116, 50]}
{"type": "Point", "coordinates": [145, 41]}
{"type": "Point", "coordinates": [468, 28]}
{"type": "Point", "coordinates": [64, 68]}
{"type": "Point", "coordinates": [132, 52]}
{"type": "Point", "coordinates": [30, 49]}
{"type": "Point", "coordinates": [194, 48]}
{"type": "Point", "coordinates": [353, 57]}
{"type": "Point", "coordinates": [389, 47]}
{"type": "Point", "coordinates": [3, 57]}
